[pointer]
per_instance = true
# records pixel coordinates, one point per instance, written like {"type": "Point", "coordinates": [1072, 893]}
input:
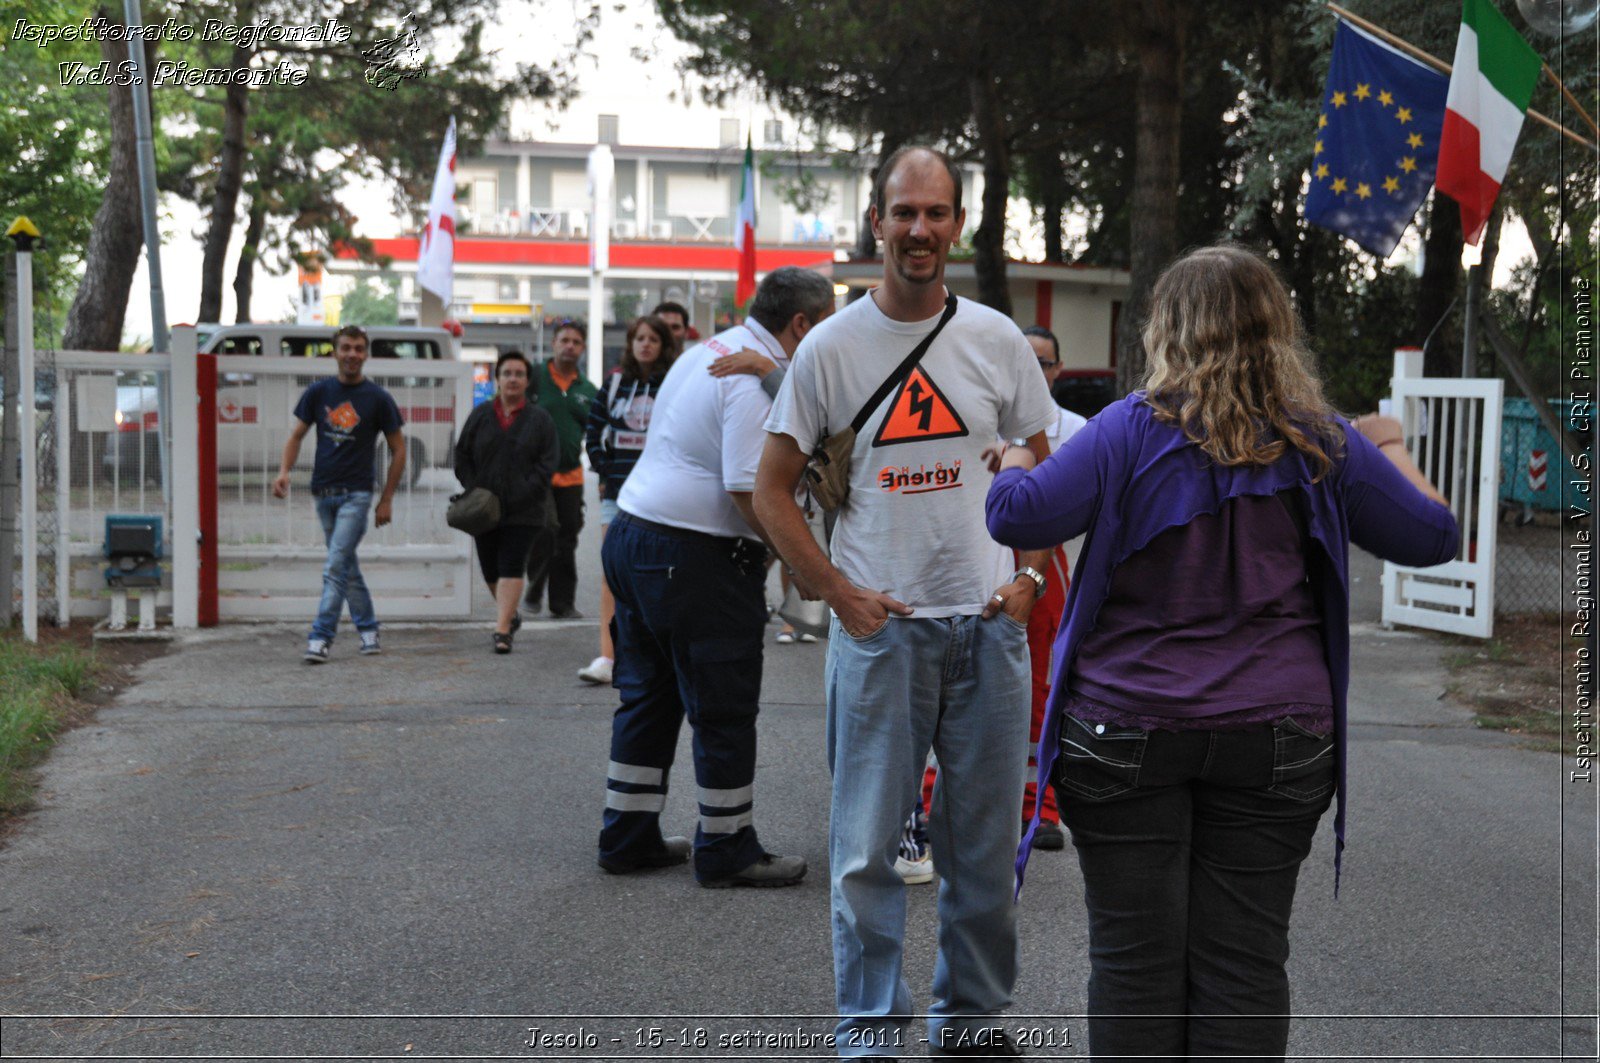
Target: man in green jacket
{"type": "Point", "coordinates": [561, 391]}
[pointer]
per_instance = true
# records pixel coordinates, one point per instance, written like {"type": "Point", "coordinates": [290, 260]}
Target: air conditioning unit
{"type": "Point", "coordinates": [661, 230]}
{"type": "Point", "coordinates": [577, 223]}
{"type": "Point", "coordinates": [844, 232]}
{"type": "Point", "coordinates": [625, 229]}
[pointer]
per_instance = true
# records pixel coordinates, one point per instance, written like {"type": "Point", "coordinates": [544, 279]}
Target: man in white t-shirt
{"type": "Point", "coordinates": [924, 649]}
{"type": "Point", "coordinates": [686, 561]}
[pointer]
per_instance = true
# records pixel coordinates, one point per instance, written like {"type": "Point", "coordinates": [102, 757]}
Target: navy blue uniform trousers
{"type": "Point", "coordinates": [690, 615]}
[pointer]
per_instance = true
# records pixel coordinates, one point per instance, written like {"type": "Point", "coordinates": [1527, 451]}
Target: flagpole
{"type": "Point", "coordinates": [1572, 101]}
{"type": "Point", "coordinates": [1440, 65]}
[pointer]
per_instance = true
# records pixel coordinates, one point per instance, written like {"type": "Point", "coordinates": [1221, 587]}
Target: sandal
{"type": "Point", "coordinates": [502, 642]}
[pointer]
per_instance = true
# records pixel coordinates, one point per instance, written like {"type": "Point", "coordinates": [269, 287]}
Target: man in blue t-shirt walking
{"type": "Point", "coordinates": [349, 411]}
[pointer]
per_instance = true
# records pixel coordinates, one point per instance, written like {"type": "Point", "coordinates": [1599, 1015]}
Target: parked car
{"type": "Point", "coordinates": [1085, 391]}
{"type": "Point", "coordinates": [254, 410]}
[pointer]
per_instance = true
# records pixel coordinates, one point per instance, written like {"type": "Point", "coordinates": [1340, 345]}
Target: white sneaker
{"type": "Point", "coordinates": [369, 644]}
{"type": "Point", "coordinates": [914, 872]}
{"type": "Point", "coordinates": [598, 672]}
{"type": "Point", "coordinates": [316, 651]}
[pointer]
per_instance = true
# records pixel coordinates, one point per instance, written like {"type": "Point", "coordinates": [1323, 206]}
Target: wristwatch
{"type": "Point", "coordinates": [1034, 574]}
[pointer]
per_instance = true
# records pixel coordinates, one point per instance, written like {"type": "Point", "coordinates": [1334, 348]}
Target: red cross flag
{"type": "Point", "coordinates": [436, 256]}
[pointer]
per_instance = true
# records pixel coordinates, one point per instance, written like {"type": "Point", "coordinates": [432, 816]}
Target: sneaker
{"type": "Point", "coordinates": [771, 870]}
{"type": "Point", "coordinates": [674, 851]}
{"type": "Point", "coordinates": [369, 644]}
{"type": "Point", "coordinates": [914, 872]}
{"type": "Point", "coordinates": [597, 672]}
{"type": "Point", "coordinates": [317, 651]}
{"type": "Point", "coordinates": [805, 638]}
{"type": "Point", "coordinates": [1048, 837]}
{"type": "Point", "coordinates": [987, 1043]}
{"type": "Point", "coordinates": [785, 638]}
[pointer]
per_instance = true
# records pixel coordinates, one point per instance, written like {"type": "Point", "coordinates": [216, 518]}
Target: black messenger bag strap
{"type": "Point", "coordinates": [905, 367]}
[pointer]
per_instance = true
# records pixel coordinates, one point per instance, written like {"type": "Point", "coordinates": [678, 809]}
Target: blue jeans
{"type": "Point", "coordinates": [1191, 844]}
{"type": "Point", "coordinates": [344, 522]}
{"type": "Point", "coordinates": [959, 684]}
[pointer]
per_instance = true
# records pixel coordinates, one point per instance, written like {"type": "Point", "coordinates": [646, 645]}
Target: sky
{"type": "Point", "coordinates": [646, 92]}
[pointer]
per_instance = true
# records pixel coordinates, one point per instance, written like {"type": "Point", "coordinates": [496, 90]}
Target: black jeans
{"type": "Point", "coordinates": [554, 557]}
{"type": "Point", "coordinates": [1191, 844]}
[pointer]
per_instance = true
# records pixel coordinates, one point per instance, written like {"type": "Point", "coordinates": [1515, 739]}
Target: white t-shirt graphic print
{"type": "Point", "coordinates": [914, 525]}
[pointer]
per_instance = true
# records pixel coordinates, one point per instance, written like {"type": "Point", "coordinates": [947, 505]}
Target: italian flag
{"type": "Point", "coordinates": [1490, 89]}
{"type": "Point", "coordinates": [744, 231]}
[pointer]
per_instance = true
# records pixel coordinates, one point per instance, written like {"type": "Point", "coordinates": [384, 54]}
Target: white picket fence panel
{"type": "Point", "coordinates": [1452, 431]}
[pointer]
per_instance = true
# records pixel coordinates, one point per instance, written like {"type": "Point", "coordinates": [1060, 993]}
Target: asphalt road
{"type": "Point", "coordinates": [394, 857]}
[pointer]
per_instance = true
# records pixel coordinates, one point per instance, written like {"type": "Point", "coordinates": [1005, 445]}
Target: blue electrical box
{"type": "Point", "coordinates": [133, 546]}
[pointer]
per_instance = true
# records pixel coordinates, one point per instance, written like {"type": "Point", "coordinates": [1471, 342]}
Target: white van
{"type": "Point", "coordinates": [253, 414]}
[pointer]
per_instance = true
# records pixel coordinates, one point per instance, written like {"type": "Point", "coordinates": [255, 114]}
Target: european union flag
{"type": "Point", "coordinates": [1377, 141]}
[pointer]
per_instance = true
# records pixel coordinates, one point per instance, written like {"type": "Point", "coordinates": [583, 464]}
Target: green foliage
{"type": "Point", "coordinates": [34, 685]}
{"type": "Point", "coordinates": [55, 139]}
{"type": "Point", "coordinates": [373, 301]}
{"type": "Point", "coordinates": [1363, 316]}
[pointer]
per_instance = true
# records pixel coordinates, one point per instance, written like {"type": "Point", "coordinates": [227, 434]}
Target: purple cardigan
{"type": "Point", "coordinates": [1126, 477]}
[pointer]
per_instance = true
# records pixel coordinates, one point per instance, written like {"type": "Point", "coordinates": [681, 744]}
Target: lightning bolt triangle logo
{"type": "Point", "coordinates": [919, 412]}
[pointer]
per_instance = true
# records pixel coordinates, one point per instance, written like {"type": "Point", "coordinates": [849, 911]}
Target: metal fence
{"type": "Point", "coordinates": [1535, 490]}
{"type": "Point", "coordinates": [106, 459]}
{"type": "Point", "coordinates": [111, 441]}
{"type": "Point", "coordinates": [271, 550]}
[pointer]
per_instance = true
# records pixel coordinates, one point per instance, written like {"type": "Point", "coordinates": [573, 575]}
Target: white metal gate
{"type": "Point", "coordinates": [102, 431]}
{"type": "Point", "coordinates": [1452, 431]}
{"type": "Point", "coordinates": [270, 550]}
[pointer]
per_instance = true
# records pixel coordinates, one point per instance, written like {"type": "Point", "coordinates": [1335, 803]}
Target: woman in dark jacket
{"type": "Point", "coordinates": [508, 446]}
{"type": "Point", "coordinates": [614, 437]}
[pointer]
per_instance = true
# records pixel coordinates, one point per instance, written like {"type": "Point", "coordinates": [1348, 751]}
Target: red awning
{"type": "Point", "coordinates": [503, 252]}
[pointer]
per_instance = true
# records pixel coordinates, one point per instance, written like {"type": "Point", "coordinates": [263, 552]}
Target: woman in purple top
{"type": "Point", "coordinates": [1197, 719]}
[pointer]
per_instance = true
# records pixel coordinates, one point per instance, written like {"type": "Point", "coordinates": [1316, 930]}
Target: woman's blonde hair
{"type": "Point", "coordinates": [1228, 365]}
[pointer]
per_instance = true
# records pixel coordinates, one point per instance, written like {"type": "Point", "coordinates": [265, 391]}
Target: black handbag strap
{"type": "Point", "coordinates": [903, 370]}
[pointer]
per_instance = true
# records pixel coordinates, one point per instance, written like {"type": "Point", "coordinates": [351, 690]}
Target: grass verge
{"type": "Point", "coordinates": [1513, 681]}
{"type": "Point", "coordinates": [38, 688]}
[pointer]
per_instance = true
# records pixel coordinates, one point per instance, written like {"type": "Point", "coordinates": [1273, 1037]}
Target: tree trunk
{"type": "Point", "coordinates": [1440, 284]}
{"type": "Point", "coordinates": [1053, 207]}
{"type": "Point", "coordinates": [989, 241]}
{"type": "Point", "coordinates": [244, 278]}
{"type": "Point", "coordinates": [225, 200]}
{"type": "Point", "coordinates": [866, 243]}
{"type": "Point", "coordinates": [1480, 280]}
{"type": "Point", "coordinates": [94, 322]}
{"type": "Point", "coordinates": [1153, 229]}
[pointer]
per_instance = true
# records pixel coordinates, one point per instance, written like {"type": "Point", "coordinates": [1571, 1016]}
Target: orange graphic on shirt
{"type": "Point", "coordinates": [344, 418]}
{"type": "Point", "coordinates": [918, 413]}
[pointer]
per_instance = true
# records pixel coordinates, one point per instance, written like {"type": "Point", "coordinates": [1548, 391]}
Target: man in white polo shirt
{"type": "Point", "coordinates": [686, 561]}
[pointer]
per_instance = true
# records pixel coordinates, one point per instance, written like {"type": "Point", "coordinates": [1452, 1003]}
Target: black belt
{"type": "Point", "coordinates": [623, 516]}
